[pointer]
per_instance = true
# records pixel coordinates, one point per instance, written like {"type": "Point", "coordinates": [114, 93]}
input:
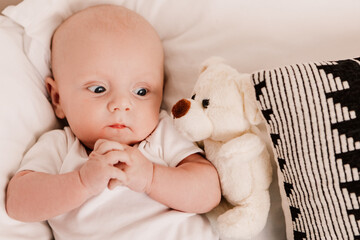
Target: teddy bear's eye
{"type": "Point", "coordinates": [193, 97]}
{"type": "Point", "coordinates": [205, 103]}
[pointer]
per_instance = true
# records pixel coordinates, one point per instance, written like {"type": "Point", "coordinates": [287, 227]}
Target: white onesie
{"type": "Point", "coordinates": [120, 213]}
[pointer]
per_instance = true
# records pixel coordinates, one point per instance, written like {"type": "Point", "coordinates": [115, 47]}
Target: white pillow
{"type": "Point", "coordinates": [251, 35]}
{"type": "Point", "coordinates": [25, 114]}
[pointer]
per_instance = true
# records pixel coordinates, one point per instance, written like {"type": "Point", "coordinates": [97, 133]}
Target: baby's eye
{"type": "Point", "coordinates": [141, 91]}
{"type": "Point", "coordinates": [97, 89]}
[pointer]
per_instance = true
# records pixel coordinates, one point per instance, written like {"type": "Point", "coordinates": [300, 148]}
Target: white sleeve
{"type": "Point", "coordinates": [47, 154]}
{"type": "Point", "coordinates": [168, 144]}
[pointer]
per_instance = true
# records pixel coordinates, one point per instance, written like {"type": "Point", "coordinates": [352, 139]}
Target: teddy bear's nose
{"type": "Point", "coordinates": [181, 108]}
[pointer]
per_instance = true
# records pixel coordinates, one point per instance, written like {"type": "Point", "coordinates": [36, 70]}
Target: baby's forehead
{"type": "Point", "coordinates": [100, 17]}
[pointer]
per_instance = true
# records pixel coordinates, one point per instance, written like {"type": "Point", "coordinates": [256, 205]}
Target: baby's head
{"type": "Point", "coordinates": [107, 65]}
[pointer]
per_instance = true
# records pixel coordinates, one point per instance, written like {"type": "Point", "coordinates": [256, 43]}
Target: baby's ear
{"type": "Point", "coordinates": [52, 89]}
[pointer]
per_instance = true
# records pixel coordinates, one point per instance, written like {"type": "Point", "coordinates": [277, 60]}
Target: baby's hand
{"type": "Point", "coordinates": [137, 168]}
{"type": "Point", "coordinates": [96, 173]}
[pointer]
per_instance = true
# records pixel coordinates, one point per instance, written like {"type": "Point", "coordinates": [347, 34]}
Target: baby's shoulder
{"type": "Point", "coordinates": [164, 120]}
{"type": "Point", "coordinates": [56, 135]}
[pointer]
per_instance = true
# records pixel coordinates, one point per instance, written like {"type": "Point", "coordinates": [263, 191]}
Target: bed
{"type": "Point", "coordinates": [291, 48]}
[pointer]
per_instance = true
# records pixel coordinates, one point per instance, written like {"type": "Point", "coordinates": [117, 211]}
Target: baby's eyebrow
{"type": "Point", "coordinates": [93, 77]}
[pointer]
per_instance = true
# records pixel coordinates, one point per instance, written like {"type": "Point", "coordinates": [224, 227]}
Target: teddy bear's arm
{"type": "Point", "coordinates": [243, 147]}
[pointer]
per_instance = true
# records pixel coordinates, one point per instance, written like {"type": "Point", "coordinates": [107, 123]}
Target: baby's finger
{"type": "Point", "coordinates": [118, 175]}
{"type": "Point", "coordinates": [113, 157]}
{"type": "Point", "coordinates": [98, 143]}
{"type": "Point", "coordinates": [106, 146]}
{"type": "Point", "coordinates": [113, 183]}
{"type": "Point", "coordinates": [120, 165]}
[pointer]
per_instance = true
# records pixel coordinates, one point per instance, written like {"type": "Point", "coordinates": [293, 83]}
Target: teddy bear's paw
{"type": "Point", "coordinates": [217, 211]}
{"type": "Point", "coordinates": [241, 223]}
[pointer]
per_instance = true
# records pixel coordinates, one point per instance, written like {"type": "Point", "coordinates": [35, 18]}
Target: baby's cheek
{"type": "Point", "coordinates": [151, 123]}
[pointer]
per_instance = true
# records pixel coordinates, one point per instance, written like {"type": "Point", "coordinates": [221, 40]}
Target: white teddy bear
{"type": "Point", "coordinates": [223, 113]}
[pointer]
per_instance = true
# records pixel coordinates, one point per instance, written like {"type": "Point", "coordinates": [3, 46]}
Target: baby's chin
{"type": "Point", "coordinates": [128, 139]}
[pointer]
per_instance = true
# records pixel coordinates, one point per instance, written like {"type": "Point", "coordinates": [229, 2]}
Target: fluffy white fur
{"type": "Point", "coordinates": [223, 114]}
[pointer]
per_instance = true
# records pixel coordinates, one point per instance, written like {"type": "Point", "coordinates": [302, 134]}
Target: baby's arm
{"type": "Point", "coordinates": [192, 186]}
{"type": "Point", "coordinates": [36, 196]}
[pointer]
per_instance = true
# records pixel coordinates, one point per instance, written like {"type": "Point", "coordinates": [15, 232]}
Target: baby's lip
{"type": "Point", "coordinates": [118, 125]}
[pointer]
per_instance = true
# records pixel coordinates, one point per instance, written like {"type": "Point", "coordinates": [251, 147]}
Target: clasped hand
{"type": "Point", "coordinates": [111, 164]}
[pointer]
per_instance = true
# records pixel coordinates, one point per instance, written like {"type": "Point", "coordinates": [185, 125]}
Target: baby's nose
{"type": "Point", "coordinates": [119, 105]}
{"type": "Point", "coordinates": [181, 108]}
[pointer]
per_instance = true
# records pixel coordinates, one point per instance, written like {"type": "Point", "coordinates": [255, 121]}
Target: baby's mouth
{"type": "Point", "coordinates": [118, 126]}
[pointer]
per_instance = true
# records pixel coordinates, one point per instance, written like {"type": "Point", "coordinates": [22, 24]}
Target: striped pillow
{"type": "Point", "coordinates": [313, 115]}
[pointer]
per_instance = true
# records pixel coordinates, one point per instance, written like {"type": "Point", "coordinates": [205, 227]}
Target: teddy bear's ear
{"type": "Point", "coordinates": [210, 61]}
{"type": "Point", "coordinates": [252, 112]}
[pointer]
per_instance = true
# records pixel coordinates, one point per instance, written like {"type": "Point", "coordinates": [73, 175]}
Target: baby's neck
{"type": "Point", "coordinates": [88, 150]}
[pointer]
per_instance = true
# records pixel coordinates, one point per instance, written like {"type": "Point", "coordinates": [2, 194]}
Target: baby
{"type": "Point", "coordinates": [120, 170]}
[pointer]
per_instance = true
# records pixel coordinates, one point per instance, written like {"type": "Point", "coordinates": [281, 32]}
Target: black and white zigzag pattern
{"type": "Point", "coordinates": [313, 113]}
